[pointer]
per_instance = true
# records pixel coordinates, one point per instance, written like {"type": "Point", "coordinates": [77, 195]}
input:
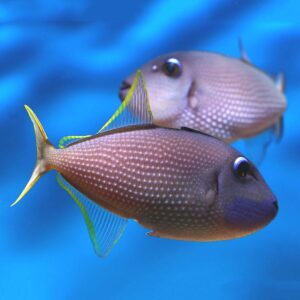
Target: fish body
{"type": "Point", "coordinates": [170, 181]}
{"type": "Point", "coordinates": [179, 183]}
{"type": "Point", "coordinates": [219, 95]}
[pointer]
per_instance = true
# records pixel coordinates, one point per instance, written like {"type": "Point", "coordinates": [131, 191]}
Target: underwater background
{"type": "Point", "coordinates": [66, 60]}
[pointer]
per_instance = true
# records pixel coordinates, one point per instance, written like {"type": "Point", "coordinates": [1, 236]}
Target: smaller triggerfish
{"type": "Point", "coordinates": [179, 183]}
{"type": "Point", "coordinates": [225, 97]}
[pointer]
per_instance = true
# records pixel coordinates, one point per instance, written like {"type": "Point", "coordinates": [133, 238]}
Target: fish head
{"type": "Point", "coordinates": [249, 204]}
{"type": "Point", "coordinates": [246, 201]}
{"type": "Point", "coordinates": [168, 80]}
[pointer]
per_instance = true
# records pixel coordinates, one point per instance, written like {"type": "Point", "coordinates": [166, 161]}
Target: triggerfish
{"type": "Point", "coordinates": [225, 97]}
{"type": "Point", "coordinates": [179, 183]}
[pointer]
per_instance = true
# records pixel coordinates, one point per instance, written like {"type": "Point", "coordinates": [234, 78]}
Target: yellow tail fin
{"type": "Point", "coordinates": [42, 147]}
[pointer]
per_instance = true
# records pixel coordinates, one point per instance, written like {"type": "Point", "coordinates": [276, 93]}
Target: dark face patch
{"type": "Point", "coordinates": [248, 205]}
{"type": "Point", "coordinates": [246, 214]}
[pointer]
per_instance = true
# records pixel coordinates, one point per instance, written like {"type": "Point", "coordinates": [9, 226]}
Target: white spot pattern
{"type": "Point", "coordinates": [234, 100]}
{"type": "Point", "coordinates": [156, 176]}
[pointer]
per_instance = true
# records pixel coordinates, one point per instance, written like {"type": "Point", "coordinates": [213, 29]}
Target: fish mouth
{"type": "Point", "coordinates": [275, 203]}
{"type": "Point", "coordinates": [125, 86]}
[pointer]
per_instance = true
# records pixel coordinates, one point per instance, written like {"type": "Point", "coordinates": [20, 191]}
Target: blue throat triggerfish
{"type": "Point", "coordinates": [179, 183]}
{"type": "Point", "coordinates": [225, 97]}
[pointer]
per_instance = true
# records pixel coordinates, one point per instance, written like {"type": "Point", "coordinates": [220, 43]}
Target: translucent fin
{"type": "Point", "coordinates": [278, 129]}
{"type": "Point", "coordinates": [105, 228]}
{"type": "Point", "coordinates": [243, 54]}
{"type": "Point", "coordinates": [134, 110]}
{"type": "Point", "coordinates": [66, 140]}
{"type": "Point", "coordinates": [280, 82]}
{"type": "Point", "coordinates": [256, 147]}
{"type": "Point", "coordinates": [153, 233]}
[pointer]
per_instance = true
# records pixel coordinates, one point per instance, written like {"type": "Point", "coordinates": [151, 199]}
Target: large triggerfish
{"type": "Point", "coordinates": [179, 183]}
{"type": "Point", "coordinates": [225, 97]}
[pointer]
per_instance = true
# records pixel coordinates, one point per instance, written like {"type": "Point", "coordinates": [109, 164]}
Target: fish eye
{"type": "Point", "coordinates": [172, 67]}
{"type": "Point", "coordinates": [241, 167]}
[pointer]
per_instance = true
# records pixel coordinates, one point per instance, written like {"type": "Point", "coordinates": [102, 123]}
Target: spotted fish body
{"type": "Point", "coordinates": [168, 183]}
{"type": "Point", "coordinates": [216, 94]}
{"type": "Point", "coordinates": [180, 184]}
{"type": "Point", "coordinates": [159, 182]}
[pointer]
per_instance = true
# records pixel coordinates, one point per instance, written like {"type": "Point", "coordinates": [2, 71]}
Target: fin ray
{"type": "Point", "coordinates": [134, 110]}
{"type": "Point", "coordinates": [104, 227]}
{"type": "Point", "coordinates": [280, 82]}
{"type": "Point", "coordinates": [279, 129]}
{"type": "Point", "coordinates": [66, 140]}
{"type": "Point", "coordinates": [257, 146]}
{"type": "Point", "coordinates": [243, 53]}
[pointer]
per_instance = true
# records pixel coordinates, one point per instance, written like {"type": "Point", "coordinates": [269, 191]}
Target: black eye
{"type": "Point", "coordinates": [172, 67]}
{"type": "Point", "coordinates": [241, 167]}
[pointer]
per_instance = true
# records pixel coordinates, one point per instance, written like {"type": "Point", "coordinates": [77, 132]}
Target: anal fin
{"type": "Point", "coordinates": [104, 227]}
{"type": "Point", "coordinates": [256, 147]}
{"type": "Point", "coordinates": [278, 129]}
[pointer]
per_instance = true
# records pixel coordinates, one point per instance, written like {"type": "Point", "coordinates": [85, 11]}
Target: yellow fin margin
{"type": "Point", "coordinates": [128, 98]}
{"type": "Point", "coordinates": [42, 144]}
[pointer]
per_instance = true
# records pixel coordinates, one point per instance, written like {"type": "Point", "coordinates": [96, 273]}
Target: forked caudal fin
{"type": "Point", "coordinates": [42, 147]}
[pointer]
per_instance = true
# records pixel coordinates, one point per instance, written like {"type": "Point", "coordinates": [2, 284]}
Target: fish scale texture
{"type": "Point", "coordinates": [236, 100]}
{"type": "Point", "coordinates": [226, 97]}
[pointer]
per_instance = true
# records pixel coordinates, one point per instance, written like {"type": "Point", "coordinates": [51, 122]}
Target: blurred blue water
{"type": "Point", "coordinates": [66, 60]}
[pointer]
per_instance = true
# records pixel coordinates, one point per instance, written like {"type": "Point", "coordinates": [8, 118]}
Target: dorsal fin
{"type": "Point", "coordinates": [196, 131]}
{"type": "Point", "coordinates": [134, 110]}
{"type": "Point", "coordinates": [243, 54]}
{"type": "Point", "coordinates": [280, 82]}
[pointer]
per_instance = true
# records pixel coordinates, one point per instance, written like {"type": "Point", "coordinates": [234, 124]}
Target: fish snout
{"type": "Point", "coordinates": [125, 86]}
{"type": "Point", "coordinates": [246, 216]}
{"type": "Point", "coordinates": [275, 203]}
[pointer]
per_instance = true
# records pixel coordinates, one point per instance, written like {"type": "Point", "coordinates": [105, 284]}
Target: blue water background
{"type": "Point", "coordinates": [66, 60]}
